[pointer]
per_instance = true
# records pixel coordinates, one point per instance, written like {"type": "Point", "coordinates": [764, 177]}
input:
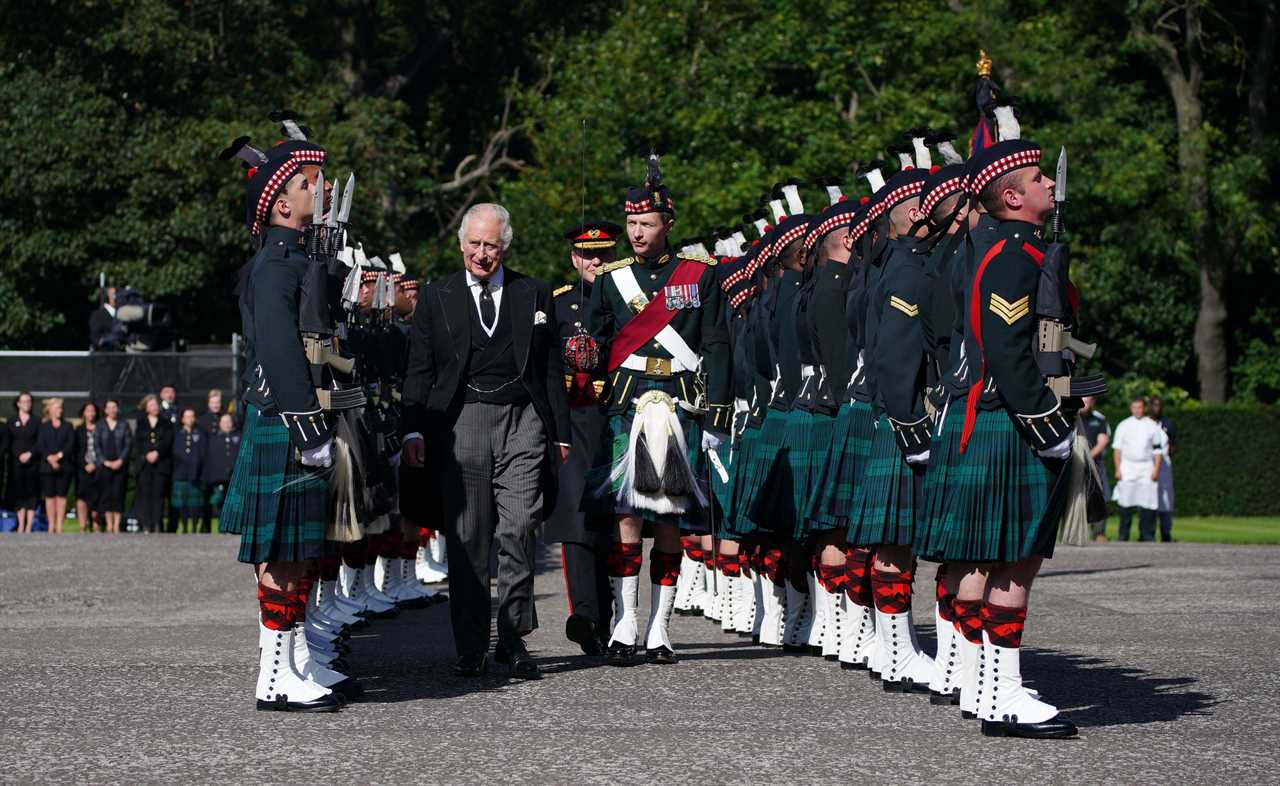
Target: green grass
{"type": "Point", "coordinates": [1214, 529]}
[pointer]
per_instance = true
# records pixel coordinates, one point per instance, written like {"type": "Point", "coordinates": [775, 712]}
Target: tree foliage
{"type": "Point", "coordinates": [110, 117]}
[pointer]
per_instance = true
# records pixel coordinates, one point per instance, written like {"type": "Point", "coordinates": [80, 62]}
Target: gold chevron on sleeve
{"type": "Point", "coordinates": [1010, 312]}
{"type": "Point", "coordinates": [903, 306]}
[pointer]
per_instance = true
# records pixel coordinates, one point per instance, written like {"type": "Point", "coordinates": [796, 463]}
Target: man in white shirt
{"type": "Point", "coordinates": [1138, 448]}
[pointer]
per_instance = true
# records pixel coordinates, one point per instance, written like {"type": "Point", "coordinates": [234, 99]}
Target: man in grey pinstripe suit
{"type": "Point", "coordinates": [487, 414]}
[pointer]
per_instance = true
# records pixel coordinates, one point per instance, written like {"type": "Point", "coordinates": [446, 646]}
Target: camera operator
{"type": "Point", "coordinates": [106, 334]}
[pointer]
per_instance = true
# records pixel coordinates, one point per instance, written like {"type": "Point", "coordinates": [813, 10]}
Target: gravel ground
{"type": "Point", "coordinates": [131, 660]}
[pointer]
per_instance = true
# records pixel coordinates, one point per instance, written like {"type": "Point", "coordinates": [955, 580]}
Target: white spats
{"type": "Point", "coordinates": [626, 600]}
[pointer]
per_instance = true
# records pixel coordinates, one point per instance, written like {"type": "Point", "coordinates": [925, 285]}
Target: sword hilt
{"type": "Point", "coordinates": [1055, 224]}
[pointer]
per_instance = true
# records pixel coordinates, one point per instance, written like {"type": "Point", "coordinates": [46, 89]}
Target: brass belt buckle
{"type": "Point", "coordinates": [657, 367]}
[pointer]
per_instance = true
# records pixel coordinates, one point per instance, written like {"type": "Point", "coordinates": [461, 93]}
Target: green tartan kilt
{"type": "Point", "coordinates": [187, 498]}
{"type": "Point", "coordinates": [884, 508]}
{"type": "Point", "coordinates": [996, 502]}
{"type": "Point", "coordinates": [760, 507]}
{"type": "Point", "coordinates": [599, 496]}
{"type": "Point", "coordinates": [833, 490]}
{"type": "Point", "coordinates": [278, 507]}
{"type": "Point", "coordinates": [807, 467]}
{"type": "Point", "coordinates": [216, 497]}
{"type": "Point", "coordinates": [734, 490]}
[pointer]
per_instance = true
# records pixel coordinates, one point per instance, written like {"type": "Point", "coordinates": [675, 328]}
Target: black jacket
{"type": "Point", "coordinates": [439, 343]}
{"type": "Point", "coordinates": [220, 457]}
{"type": "Point", "coordinates": [158, 438]}
{"type": "Point", "coordinates": [112, 445]}
{"type": "Point", "coordinates": [277, 376]}
{"type": "Point", "coordinates": [50, 440]}
{"type": "Point", "coordinates": [188, 453]}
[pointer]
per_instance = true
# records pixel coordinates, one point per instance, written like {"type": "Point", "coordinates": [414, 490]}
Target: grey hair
{"type": "Point", "coordinates": [498, 211]}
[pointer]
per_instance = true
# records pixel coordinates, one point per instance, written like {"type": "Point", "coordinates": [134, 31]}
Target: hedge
{"type": "Point", "coordinates": [1226, 459]}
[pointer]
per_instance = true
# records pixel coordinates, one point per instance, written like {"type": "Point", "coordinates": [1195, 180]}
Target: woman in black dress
{"type": "Point", "coordinates": [88, 469]}
{"type": "Point", "coordinates": [113, 441]}
{"type": "Point", "coordinates": [24, 484]}
{"type": "Point", "coordinates": [56, 444]}
{"type": "Point", "coordinates": [153, 444]}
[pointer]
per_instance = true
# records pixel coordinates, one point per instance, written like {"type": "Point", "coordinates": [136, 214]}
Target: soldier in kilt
{"type": "Point", "coordinates": [945, 208]}
{"type": "Point", "coordinates": [773, 508]}
{"type": "Point", "coordinates": [832, 496]}
{"type": "Point", "coordinates": [1008, 491]}
{"type": "Point", "coordinates": [891, 484]}
{"type": "Point", "coordinates": [277, 498]}
{"type": "Point", "coordinates": [828, 245]}
{"type": "Point", "coordinates": [660, 326]}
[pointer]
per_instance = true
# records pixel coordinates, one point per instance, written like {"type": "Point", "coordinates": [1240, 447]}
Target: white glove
{"type": "Point", "coordinates": [1061, 450]}
{"type": "Point", "coordinates": [319, 457]}
{"type": "Point", "coordinates": [918, 458]}
{"type": "Point", "coordinates": [710, 441]}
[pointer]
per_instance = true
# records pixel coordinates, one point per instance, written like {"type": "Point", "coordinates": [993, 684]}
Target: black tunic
{"type": "Point", "coordinates": [220, 457]}
{"type": "Point", "coordinates": [567, 524]}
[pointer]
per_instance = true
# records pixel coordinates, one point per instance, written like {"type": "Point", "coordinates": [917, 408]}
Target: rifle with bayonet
{"type": "Point", "coordinates": [1057, 349]}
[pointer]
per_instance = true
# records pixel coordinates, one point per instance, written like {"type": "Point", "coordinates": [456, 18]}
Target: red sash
{"type": "Point", "coordinates": [653, 317]}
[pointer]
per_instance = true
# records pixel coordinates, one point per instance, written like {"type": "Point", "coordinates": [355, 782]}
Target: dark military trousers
{"type": "Point", "coordinates": [586, 582]}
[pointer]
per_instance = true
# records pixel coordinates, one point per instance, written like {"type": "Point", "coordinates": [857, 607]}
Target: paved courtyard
{"type": "Point", "coordinates": [131, 660]}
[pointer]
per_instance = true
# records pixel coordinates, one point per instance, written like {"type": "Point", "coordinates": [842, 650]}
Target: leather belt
{"type": "Point", "coordinates": [654, 367]}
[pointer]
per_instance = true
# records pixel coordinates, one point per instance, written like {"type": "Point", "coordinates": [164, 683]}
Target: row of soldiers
{"type": "Point", "coordinates": [800, 420]}
{"type": "Point", "coordinates": [315, 491]}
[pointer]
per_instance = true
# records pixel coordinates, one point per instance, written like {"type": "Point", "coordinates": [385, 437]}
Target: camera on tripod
{"type": "Point", "coordinates": [142, 326]}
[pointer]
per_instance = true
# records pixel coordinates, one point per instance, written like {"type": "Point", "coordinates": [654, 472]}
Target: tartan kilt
{"type": "Point", "coordinates": [615, 437]}
{"type": "Point", "coordinates": [1002, 502]}
{"type": "Point", "coordinates": [186, 497]}
{"type": "Point", "coordinates": [216, 496]}
{"type": "Point", "coordinates": [762, 507]}
{"type": "Point", "coordinates": [885, 504]}
{"type": "Point", "coordinates": [833, 492]}
{"type": "Point", "coordinates": [807, 462]}
{"type": "Point", "coordinates": [737, 525]}
{"type": "Point", "coordinates": [278, 507]}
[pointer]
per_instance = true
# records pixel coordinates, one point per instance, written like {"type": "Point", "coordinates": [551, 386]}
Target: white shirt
{"type": "Point", "coordinates": [495, 289]}
{"type": "Point", "coordinates": [1138, 440]}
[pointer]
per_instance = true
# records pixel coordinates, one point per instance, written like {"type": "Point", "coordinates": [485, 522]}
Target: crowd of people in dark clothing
{"type": "Point", "coordinates": [165, 465]}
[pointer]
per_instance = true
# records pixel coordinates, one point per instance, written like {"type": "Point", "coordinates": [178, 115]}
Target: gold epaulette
{"type": "Point", "coordinates": [708, 261]}
{"type": "Point", "coordinates": [562, 290]}
{"type": "Point", "coordinates": [618, 265]}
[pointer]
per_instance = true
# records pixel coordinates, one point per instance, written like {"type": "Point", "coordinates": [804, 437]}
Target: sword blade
{"type": "Point", "coordinates": [1060, 186]}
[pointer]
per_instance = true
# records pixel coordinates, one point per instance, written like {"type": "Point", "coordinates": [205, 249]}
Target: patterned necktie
{"type": "Point", "coordinates": [487, 311]}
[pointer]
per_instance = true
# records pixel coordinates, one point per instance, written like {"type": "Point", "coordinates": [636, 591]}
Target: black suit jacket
{"type": "Point", "coordinates": [439, 348]}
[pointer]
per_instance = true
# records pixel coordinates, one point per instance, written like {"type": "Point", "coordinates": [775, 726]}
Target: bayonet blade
{"type": "Point", "coordinates": [335, 199]}
{"type": "Point", "coordinates": [1060, 186]}
{"type": "Point", "coordinates": [317, 213]}
{"type": "Point", "coordinates": [344, 213]}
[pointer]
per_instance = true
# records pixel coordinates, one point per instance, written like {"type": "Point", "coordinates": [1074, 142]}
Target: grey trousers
{"type": "Point", "coordinates": [491, 478]}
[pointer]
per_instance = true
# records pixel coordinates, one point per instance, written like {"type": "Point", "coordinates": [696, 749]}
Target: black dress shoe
{"type": "Point", "coordinates": [523, 667]}
{"type": "Point", "coordinates": [944, 699]}
{"type": "Point", "coordinates": [1056, 728]}
{"type": "Point", "coordinates": [349, 689]}
{"type": "Point", "coordinates": [796, 649]}
{"type": "Point", "coordinates": [582, 631]}
{"type": "Point", "coordinates": [328, 703]}
{"type": "Point", "coordinates": [662, 656]}
{"type": "Point", "coordinates": [904, 686]}
{"type": "Point", "coordinates": [622, 654]}
{"type": "Point", "coordinates": [471, 665]}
